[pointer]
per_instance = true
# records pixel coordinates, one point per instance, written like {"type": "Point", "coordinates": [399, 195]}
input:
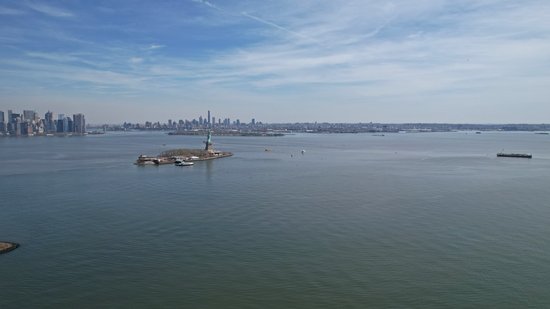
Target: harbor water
{"type": "Point", "coordinates": [425, 220]}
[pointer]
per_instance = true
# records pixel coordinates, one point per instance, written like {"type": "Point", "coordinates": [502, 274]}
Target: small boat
{"type": "Point", "coordinates": [515, 155]}
{"type": "Point", "coordinates": [183, 163]}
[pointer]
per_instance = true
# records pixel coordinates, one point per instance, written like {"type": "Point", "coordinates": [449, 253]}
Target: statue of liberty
{"type": "Point", "coordinates": [208, 141]}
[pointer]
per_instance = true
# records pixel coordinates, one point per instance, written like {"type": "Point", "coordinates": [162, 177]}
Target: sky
{"type": "Point", "coordinates": [482, 61]}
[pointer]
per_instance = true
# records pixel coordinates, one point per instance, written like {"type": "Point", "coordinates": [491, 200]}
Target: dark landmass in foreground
{"type": "Point", "coordinates": [6, 247]}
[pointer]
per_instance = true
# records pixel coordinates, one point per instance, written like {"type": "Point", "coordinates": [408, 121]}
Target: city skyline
{"type": "Point", "coordinates": [213, 120]}
{"type": "Point", "coordinates": [29, 123]}
{"type": "Point", "coordinates": [325, 61]}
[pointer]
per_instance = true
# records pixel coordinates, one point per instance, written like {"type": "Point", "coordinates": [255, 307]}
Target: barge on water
{"type": "Point", "coordinates": [515, 155]}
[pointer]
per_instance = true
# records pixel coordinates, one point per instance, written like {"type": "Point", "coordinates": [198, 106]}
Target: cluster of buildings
{"type": "Point", "coordinates": [207, 122]}
{"type": "Point", "coordinates": [29, 123]}
{"type": "Point", "coordinates": [226, 125]}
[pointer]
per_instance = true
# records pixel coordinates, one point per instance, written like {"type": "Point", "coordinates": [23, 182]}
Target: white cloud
{"type": "Point", "coordinates": [48, 10]}
{"type": "Point", "coordinates": [156, 46]}
{"type": "Point", "coordinates": [10, 11]}
{"type": "Point", "coordinates": [136, 60]}
{"type": "Point", "coordinates": [372, 54]}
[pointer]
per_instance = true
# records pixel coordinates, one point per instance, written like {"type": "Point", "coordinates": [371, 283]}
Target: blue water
{"type": "Point", "coordinates": [404, 220]}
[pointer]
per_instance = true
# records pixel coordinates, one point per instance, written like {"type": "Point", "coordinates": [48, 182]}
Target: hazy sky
{"type": "Point", "coordinates": [481, 61]}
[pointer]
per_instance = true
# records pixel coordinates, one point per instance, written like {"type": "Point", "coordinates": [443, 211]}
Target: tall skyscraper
{"type": "Point", "coordinates": [2, 123]}
{"type": "Point", "coordinates": [17, 125]}
{"type": "Point", "coordinates": [209, 118]}
{"type": "Point", "coordinates": [59, 124]}
{"type": "Point", "coordinates": [70, 125]}
{"type": "Point", "coordinates": [66, 124]}
{"type": "Point", "coordinates": [49, 123]}
{"type": "Point", "coordinates": [28, 115]}
{"type": "Point", "coordinates": [79, 124]}
{"type": "Point", "coordinates": [14, 117]}
{"type": "Point", "coordinates": [26, 128]}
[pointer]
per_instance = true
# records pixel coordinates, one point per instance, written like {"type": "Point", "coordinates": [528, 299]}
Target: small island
{"type": "Point", "coordinates": [185, 155]}
{"type": "Point", "coordinates": [6, 247]}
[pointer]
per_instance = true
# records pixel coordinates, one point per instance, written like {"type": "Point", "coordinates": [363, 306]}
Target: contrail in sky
{"type": "Point", "coordinates": [256, 18]}
{"type": "Point", "coordinates": [266, 22]}
{"type": "Point", "coordinates": [207, 3]}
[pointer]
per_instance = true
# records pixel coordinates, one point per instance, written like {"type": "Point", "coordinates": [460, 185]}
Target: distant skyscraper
{"type": "Point", "coordinates": [26, 128]}
{"type": "Point", "coordinates": [28, 115]}
{"type": "Point", "coordinates": [17, 125]}
{"type": "Point", "coordinates": [66, 125]}
{"type": "Point", "coordinates": [209, 117]}
{"type": "Point", "coordinates": [14, 117]}
{"type": "Point", "coordinates": [79, 124]}
{"type": "Point", "coordinates": [253, 121]}
{"type": "Point", "coordinates": [70, 125]}
{"type": "Point", "coordinates": [59, 123]}
{"type": "Point", "coordinates": [2, 123]}
{"type": "Point", "coordinates": [49, 123]}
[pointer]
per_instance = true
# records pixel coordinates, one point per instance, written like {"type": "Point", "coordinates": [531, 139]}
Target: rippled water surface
{"type": "Point", "coordinates": [404, 220]}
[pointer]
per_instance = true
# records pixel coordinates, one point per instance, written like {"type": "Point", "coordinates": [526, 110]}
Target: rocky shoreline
{"type": "Point", "coordinates": [6, 246]}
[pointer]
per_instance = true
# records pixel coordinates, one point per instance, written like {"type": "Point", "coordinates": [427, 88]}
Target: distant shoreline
{"type": "Point", "coordinates": [279, 132]}
{"type": "Point", "coordinates": [48, 135]}
{"type": "Point", "coordinates": [227, 133]}
{"type": "Point", "coordinates": [281, 129]}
